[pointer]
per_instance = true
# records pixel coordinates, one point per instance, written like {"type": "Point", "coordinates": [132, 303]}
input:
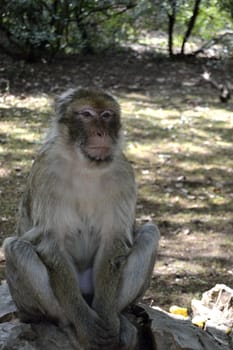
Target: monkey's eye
{"type": "Point", "coordinates": [87, 113]}
{"type": "Point", "coordinates": [107, 115]}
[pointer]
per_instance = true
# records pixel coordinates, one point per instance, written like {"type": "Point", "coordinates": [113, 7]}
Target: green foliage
{"type": "Point", "coordinates": [211, 21]}
{"type": "Point", "coordinates": [25, 26]}
{"type": "Point", "coordinates": [41, 28]}
{"type": "Point", "coordinates": [226, 6]}
{"type": "Point", "coordinates": [213, 18]}
{"type": "Point", "coordinates": [34, 29]}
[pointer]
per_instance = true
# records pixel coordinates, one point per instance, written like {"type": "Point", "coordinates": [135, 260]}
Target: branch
{"type": "Point", "coordinates": [212, 42]}
{"type": "Point", "coordinates": [105, 8]}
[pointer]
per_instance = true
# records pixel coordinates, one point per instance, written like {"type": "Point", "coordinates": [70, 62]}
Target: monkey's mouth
{"type": "Point", "coordinates": [98, 153]}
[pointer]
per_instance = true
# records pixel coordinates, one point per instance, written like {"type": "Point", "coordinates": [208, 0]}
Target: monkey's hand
{"type": "Point", "coordinates": [93, 332]}
{"type": "Point", "coordinates": [128, 334]}
{"type": "Point", "coordinates": [103, 335]}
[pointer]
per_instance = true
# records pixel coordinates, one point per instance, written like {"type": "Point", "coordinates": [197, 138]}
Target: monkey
{"type": "Point", "coordinates": [77, 258]}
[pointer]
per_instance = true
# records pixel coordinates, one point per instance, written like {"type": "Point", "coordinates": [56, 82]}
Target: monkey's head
{"type": "Point", "coordinates": [90, 119]}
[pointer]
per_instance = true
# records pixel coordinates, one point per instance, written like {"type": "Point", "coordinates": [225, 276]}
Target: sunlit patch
{"type": "Point", "coordinates": [4, 172]}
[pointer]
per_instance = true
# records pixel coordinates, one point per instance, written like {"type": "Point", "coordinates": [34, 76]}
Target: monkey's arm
{"type": "Point", "coordinates": [117, 239]}
{"type": "Point", "coordinates": [108, 269]}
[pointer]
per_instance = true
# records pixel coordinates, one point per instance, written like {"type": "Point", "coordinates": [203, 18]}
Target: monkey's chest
{"type": "Point", "coordinates": [82, 247]}
{"type": "Point", "coordinates": [89, 214]}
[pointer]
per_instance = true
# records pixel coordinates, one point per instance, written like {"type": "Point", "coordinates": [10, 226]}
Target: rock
{"type": "Point", "coordinates": [174, 334]}
{"type": "Point", "coordinates": [164, 332]}
{"type": "Point", "coordinates": [7, 306]}
{"type": "Point", "coordinates": [22, 336]}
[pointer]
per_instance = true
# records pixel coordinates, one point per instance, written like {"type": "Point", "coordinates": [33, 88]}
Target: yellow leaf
{"type": "Point", "coordinates": [177, 310]}
{"type": "Point", "coordinates": [199, 321]}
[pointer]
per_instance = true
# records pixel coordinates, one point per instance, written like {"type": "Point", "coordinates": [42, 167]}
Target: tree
{"type": "Point", "coordinates": [32, 29]}
{"type": "Point", "coordinates": [171, 13]}
{"type": "Point", "coordinates": [191, 24]}
{"type": "Point", "coordinates": [172, 8]}
{"type": "Point", "coordinates": [201, 20]}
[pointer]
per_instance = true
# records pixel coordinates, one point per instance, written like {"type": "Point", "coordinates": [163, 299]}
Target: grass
{"type": "Point", "coordinates": [179, 140]}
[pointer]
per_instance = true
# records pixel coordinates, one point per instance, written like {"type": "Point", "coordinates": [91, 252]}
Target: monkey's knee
{"type": "Point", "coordinates": [9, 244]}
{"type": "Point", "coordinates": [151, 230]}
{"type": "Point", "coordinates": [14, 250]}
{"type": "Point", "coordinates": [18, 253]}
{"type": "Point", "coordinates": [147, 241]}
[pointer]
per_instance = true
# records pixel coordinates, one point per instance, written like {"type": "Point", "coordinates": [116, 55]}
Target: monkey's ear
{"type": "Point", "coordinates": [61, 102]}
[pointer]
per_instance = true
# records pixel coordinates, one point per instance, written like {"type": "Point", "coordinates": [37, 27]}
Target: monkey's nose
{"type": "Point", "coordinates": [100, 133]}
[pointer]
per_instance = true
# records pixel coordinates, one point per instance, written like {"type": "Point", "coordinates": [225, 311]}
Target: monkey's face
{"type": "Point", "coordinates": [97, 132]}
{"type": "Point", "coordinates": [93, 123]}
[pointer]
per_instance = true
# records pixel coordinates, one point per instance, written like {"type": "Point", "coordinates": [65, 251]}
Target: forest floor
{"type": "Point", "coordinates": [179, 139]}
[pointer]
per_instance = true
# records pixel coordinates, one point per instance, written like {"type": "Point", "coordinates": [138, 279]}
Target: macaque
{"type": "Point", "coordinates": [77, 258]}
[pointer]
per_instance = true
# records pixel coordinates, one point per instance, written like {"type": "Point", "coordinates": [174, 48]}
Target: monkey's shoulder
{"type": "Point", "coordinates": [123, 168]}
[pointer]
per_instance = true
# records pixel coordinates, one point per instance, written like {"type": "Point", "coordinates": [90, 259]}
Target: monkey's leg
{"type": "Point", "coordinates": [28, 281]}
{"type": "Point", "coordinates": [139, 267]}
{"type": "Point", "coordinates": [44, 286]}
{"type": "Point", "coordinates": [91, 330]}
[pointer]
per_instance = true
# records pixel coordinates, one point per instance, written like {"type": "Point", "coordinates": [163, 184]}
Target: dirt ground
{"type": "Point", "coordinates": [178, 137]}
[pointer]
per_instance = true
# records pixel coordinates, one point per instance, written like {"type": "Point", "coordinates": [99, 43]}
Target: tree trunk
{"type": "Point", "coordinates": [191, 24]}
{"type": "Point", "coordinates": [171, 23]}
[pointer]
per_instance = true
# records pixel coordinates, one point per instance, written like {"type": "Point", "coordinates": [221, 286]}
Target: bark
{"type": "Point", "coordinates": [191, 24]}
{"type": "Point", "coordinates": [171, 24]}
